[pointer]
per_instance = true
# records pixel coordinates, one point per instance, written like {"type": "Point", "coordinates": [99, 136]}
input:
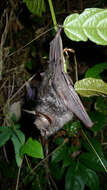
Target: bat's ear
{"type": "Point", "coordinates": [29, 111]}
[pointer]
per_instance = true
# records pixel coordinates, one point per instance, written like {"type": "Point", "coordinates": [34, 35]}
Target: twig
{"type": "Point", "coordinates": [5, 154]}
{"type": "Point", "coordinates": [12, 88]}
{"type": "Point", "coordinates": [3, 39]}
{"type": "Point", "coordinates": [104, 143]}
{"type": "Point", "coordinates": [94, 151]}
{"type": "Point", "coordinates": [22, 87]}
{"type": "Point", "coordinates": [18, 50]}
{"type": "Point", "coordinates": [17, 183]}
{"type": "Point", "coordinates": [3, 84]}
{"type": "Point", "coordinates": [54, 184]}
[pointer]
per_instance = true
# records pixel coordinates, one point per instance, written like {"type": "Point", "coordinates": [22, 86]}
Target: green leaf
{"type": "Point", "coordinates": [59, 140]}
{"type": "Point", "coordinates": [4, 128]}
{"type": "Point", "coordinates": [92, 179]}
{"type": "Point", "coordinates": [99, 32]}
{"type": "Point", "coordinates": [5, 135]}
{"type": "Point", "coordinates": [29, 65]}
{"type": "Point", "coordinates": [91, 161]}
{"type": "Point", "coordinates": [67, 161]}
{"type": "Point", "coordinates": [95, 144]}
{"type": "Point", "coordinates": [32, 148]}
{"type": "Point", "coordinates": [101, 105]}
{"type": "Point", "coordinates": [55, 168]}
{"type": "Point", "coordinates": [73, 29]}
{"type": "Point", "coordinates": [98, 119]}
{"type": "Point", "coordinates": [92, 24]}
{"type": "Point", "coordinates": [89, 176]}
{"type": "Point", "coordinates": [59, 154]}
{"type": "Point", "coordinates": [73, 179]}
{"type": "Point", "coordinates": [18, 140]}
{"type": "Point", "coordinates": [17, 126]}
{"type": "Point", "coordinates": [96, 153]}
{"type": "Point", "coordinates": [91, 87]}
{"type": "Point", "coordinates": [35, 6]}
{"type": "Point", "coordinates": [95, 71]}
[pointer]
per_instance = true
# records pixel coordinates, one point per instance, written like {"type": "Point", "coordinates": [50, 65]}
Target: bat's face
{"type": "Point", "coordinates": [51, 121]}
{"type": "Point", "coordinates": [43, 124]}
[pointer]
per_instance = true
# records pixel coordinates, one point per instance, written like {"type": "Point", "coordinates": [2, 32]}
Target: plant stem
{"type": "Point", "coordinates": [94, 150]}
{"type": "Point", "coordinates": [17, 183]}
{"type": "Point", "coordinates": [52, 14]}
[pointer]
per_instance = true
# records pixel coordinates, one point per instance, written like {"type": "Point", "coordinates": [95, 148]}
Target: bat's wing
{"type": "Point", "coordinates": [73, 102]}
{"type": "Point", "coordinates": [61, 82]}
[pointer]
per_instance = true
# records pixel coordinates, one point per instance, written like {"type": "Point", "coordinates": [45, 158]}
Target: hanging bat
{"type": "Point", "coordinates": [57, 100]}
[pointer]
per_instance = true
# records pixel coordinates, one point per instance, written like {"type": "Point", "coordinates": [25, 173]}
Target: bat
{"type": "Point", "coordinates": [57, 100]}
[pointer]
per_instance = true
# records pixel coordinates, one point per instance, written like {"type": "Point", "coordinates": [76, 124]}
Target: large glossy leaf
{"type": "Point", "coordinates": [78, 176]}
{"type": "Point", "coordinates": [95, 144]}
{"type": "Point", "coordinates": [18, 140]}
{"type": "Point", "coordinates": [95, 71]}
{"type": "Point", "coordinates": [91, 161]}
{"type": "Point", "coordinates": [95, 148]}
{"type": "Point", "coordinates": [89, 176]}
{"type": "Point", "coordinates": [59, 154]}
{"type": "Point", "coordinates": [35, 6]}
{"type": "Point", "coordinates": [92, 179]}
{"type": "Point", "coordinates": [92, 24]}
{"type": "Point", "coordinates": [73, 179]}
{"type": "Point", "coordinates": [32, 148]}
{"type": "Point", "coordinates": [91, 87]}
{"type": "Point", "coordinates": [55, 168]}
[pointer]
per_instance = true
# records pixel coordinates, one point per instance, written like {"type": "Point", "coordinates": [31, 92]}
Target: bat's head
{"type": "Point", "coordinates": [43, 123]}
{"type": "Point", "coordinates": [50, 120]}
